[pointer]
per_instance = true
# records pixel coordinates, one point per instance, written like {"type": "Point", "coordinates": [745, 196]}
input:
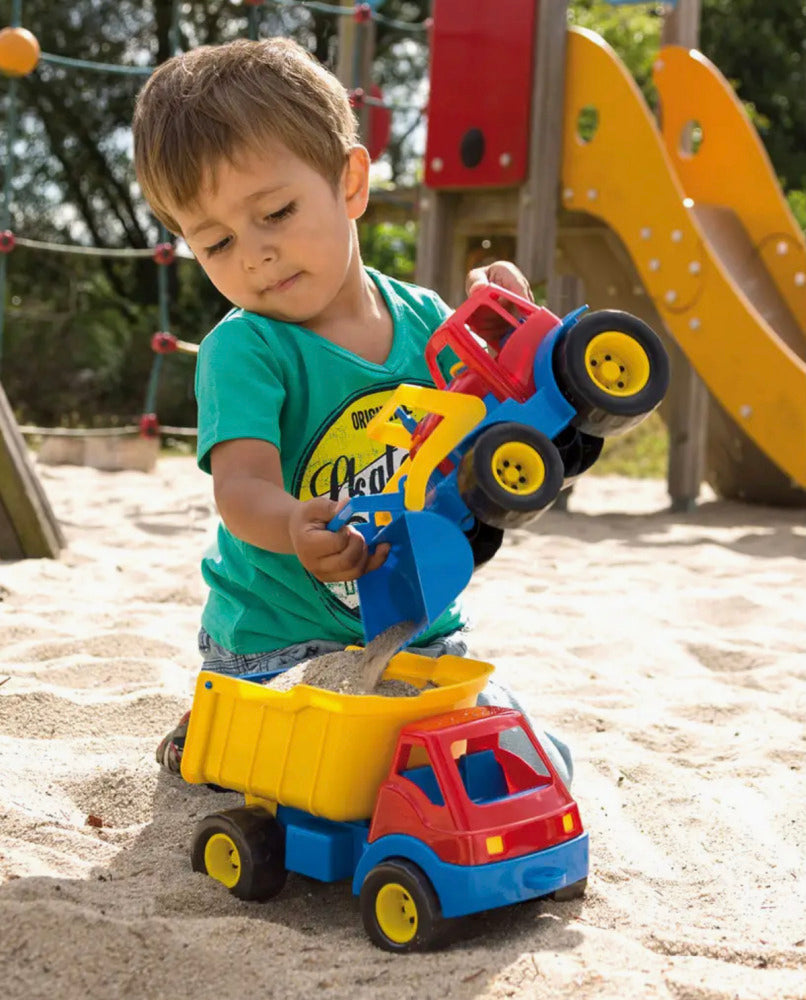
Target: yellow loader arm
{"type": "Point", "coordinates": [460, 414]}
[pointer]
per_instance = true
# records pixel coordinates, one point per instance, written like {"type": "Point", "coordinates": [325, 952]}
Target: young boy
{"type": "Point", "coordinates": [249, 151]}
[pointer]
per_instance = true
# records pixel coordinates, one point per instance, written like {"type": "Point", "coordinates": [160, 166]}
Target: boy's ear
{"type": "Point", "coordinates": [356, 182]}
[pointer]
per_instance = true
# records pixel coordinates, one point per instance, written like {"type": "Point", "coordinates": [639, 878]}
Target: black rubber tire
{"type": "Point", "coordinates": [485, 541]}
{"type": "Point", "coordinates": [601, 413]}
{"type": "Point", "coordinates": [574, 891]}
{"type": "Point", "coordinates": [481, 490]}
{"type": "Point", "coordinates": [260, 843]}
{"type": "Point", "coordinates": [578, 451]}
{"type": "Point", "coordinates": [430, 924]}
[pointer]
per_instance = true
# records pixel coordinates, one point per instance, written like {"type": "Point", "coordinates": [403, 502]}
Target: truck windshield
{"type": "Point", "coordinates": [501, 767]}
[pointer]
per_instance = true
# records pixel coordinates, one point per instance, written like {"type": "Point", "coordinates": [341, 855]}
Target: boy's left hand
{"type": "Point", "coordinates": [486, 323]}
{"type": "Point", "coordinates": [503, 273]}
{"type": "Point", "coordinates": [330, 556]}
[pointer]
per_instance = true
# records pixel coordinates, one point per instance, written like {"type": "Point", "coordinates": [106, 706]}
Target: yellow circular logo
{"type": "Point", "coordinates": [346, 462]}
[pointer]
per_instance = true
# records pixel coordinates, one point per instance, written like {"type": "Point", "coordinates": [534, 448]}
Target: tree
{"type": "Point", "coordinates": [78, 343]}
{"type": "Point", "coordinates": [760, 46]}
{"type": "Point", "coordinates": [77, 347]}
{"type": "Point", "coordinates": [634, 32]}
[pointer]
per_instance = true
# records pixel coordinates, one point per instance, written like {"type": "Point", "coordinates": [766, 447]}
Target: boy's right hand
{"type": "Point", "coordinates": [330, 555]}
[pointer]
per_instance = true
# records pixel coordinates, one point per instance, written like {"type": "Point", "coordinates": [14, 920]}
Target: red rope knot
{"type": "Point", "coordinates": [163, 343]}
{"type": "Point", "coordinates": [7, 241]}
{"type": "Point", "coordinates": [362, 12]}
{"type": "Point", "coordinates": [164, 254]}
{"type": "Point", "coordinates": [356, 97]}
{"type": "Point", "coordinates": [149, 425]}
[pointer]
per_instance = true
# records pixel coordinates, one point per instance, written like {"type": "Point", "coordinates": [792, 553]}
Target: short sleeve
{"type": "Point", "coordinates": [441, 311]}
{"type": "Point", "coordinates": [239, 388]}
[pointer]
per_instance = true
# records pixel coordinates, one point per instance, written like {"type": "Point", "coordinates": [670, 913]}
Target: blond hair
{"type": "Point", "coordinates": [216, 101]}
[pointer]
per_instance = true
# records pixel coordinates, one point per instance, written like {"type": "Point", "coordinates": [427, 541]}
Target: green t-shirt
{"type": "Point", "coordinates": [278, 382]}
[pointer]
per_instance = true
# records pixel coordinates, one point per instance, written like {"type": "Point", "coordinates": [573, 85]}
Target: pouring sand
{"type": "Point", "coordinates": [354, 671]}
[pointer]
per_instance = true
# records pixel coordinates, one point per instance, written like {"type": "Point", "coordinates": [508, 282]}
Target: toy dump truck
{"type": "Point", "coordinates": [522, 417]}
{"type": "Point", "coordinates": [433, 807]}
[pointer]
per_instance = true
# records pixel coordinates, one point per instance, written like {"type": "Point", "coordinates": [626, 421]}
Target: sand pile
{"type": "Point", "coordinates": [354, 671]}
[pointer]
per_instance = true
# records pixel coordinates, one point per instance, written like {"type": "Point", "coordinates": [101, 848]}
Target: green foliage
{"type": "Point", "coordinates": [797, 202]}
{"type": "Point", "coordinates": [642, 453]}
{"type": "Point", "coordinates": [760, 45]}
{"type": "Point", "coordinates": [390, 248]}
{"type": "Point", "coordinates": [634, 32]}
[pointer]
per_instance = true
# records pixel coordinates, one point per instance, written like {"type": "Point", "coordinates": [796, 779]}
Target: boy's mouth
{"type": "Point", "coordinates": [281, 286]}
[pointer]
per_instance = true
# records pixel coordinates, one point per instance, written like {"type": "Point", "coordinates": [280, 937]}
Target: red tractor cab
{"type": "Point", "coordinates": [505, 368]}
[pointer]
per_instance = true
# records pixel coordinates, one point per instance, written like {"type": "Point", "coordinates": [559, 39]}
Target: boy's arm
{"type": "Point", "coordinates": [252, 502]}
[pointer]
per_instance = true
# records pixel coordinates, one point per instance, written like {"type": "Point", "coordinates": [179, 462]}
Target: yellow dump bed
{"type": "Point", "coordinates": [316, 750]}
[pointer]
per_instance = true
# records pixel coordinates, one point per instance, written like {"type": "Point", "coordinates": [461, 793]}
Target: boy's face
{"type": "Point", "coordinates": [272, 234]}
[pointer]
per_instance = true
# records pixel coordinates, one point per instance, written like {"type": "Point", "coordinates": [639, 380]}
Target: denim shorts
{"type": "Point", "coordinates": [222, 661]}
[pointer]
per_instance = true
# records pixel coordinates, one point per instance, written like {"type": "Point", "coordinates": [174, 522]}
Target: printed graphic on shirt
{"type": "Point", "coordinates": [344, 461]}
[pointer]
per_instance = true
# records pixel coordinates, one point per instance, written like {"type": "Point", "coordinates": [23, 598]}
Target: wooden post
{"type": "Point", "coordinates": [347, 46]}
{"type": "Point", "coordinates": [537, 219]}
{"type": "Point", "coordinates": [435, 239]}
{"type": "Point", "coordinates": [687, 402]}
{"type": "Point", "coordinates": [28, 526]}
{"type": "Point", "coordinates": [354, 66]}
{"type": "Point", "coordinates": [538, 201]}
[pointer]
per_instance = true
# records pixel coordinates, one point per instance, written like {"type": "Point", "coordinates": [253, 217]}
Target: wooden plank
{"type": "Point", "coordinates": [10, 545]}
{"type": "Point", "coordinates": [28, 526]}
{"type": "Point", "coordinates": [435, 238]}
{"type": "Point", "coordinates": [537, 212]}
{"type": "Point", "coordinates": [681, 24]}
{"type": "Point", "coordinates": [687, 400]}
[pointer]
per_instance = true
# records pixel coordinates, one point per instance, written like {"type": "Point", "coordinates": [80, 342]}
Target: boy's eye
{"type": "Point", "coordinates": [283, 213]}
{"type": "Point", "coordinates": [217, 247]}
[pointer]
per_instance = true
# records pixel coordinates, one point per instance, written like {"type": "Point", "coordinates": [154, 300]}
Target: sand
{"type": "Point", "coordinates": [355, 671]}
{"type": "Point", "coordinates": [669, 650]}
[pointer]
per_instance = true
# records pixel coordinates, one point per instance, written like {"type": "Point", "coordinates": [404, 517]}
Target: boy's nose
{"type": "Point", "coordinates": [253, 262]}
{"type": "Point", "coordinates": [257, 253]}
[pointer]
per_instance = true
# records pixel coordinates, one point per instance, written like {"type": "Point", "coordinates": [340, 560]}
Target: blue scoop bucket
{"type": "Point", "coordinates": [429, 564]}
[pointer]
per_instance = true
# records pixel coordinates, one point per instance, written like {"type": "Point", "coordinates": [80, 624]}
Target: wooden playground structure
{"type": "Point", "coordinates": [592, 198]}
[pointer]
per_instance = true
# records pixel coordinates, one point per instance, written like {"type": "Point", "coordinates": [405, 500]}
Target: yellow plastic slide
{"type": "Point", "coordinates": [709, 232]}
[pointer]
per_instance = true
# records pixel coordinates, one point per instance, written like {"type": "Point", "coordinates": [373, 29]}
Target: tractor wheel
{"type": "Point", "coordinates": [512, 473]}
{"type": "Point", "coordinates": [614, 370]}
{"type": "Point", "coordinates": [578, 451]}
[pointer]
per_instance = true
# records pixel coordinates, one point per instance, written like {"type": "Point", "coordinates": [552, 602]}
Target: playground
{"type": "Point", "coordinates": [653, 624]}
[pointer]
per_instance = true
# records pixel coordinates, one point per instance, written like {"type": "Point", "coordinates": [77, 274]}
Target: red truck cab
{"type": "Point", "coordinates": [453, 786]}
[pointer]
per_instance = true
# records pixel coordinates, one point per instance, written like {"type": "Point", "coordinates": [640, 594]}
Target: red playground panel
{"type": "Point", "coordinates": [481, 93]}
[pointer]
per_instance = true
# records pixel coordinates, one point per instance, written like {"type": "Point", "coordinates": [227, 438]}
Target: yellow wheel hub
{"type": "Point", "coordinates": [396, 913]}
{"type": "Point", "coordinates": [518, 468]}
{"type": "Point", "coordinates": [222, 860]}
{"type": "Point", "coordinates": [617, 363]}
